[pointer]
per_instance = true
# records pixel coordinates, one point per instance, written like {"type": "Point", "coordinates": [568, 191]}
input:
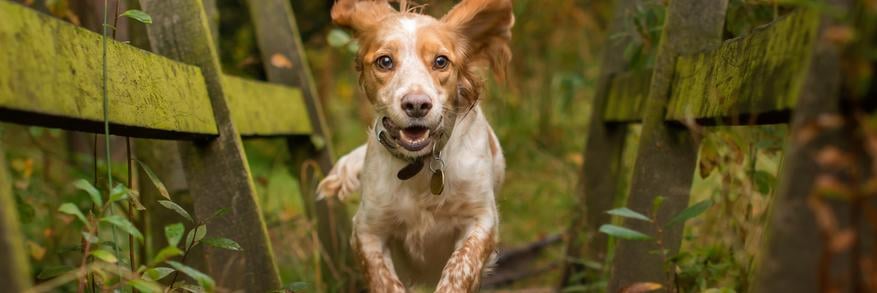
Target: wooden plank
{"type": "Point", "coordinates": [627, 96]}
{"type": "Point", "coordinates": [667, 155]}
{"type": "Point", "coordinates": [279, 40]}
{"type": "Point", "coordinates": [757, 74]}
{"type": "Point", "coordinates": [265, 109]}
{"type": "Point", "coordinates": [283, 55]}
{"type": "Point", "coordinates": [216, 170]}
{"type": "Point", "coordinates": [744, 79]}
{"type": "Point", "coordinates": [793, 249]}
{"type": "Point", "coordinates": [601, 170]}
{"type": "Point", "coordinates": [50, 75]}
{"type": "Point", "coordinates": [14, 269]}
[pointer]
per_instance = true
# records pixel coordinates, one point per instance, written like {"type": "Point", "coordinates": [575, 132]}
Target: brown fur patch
{"type": "Point", "coordinates": [378, 276]}
{"type": "Point", "coordinates": [462, 273]}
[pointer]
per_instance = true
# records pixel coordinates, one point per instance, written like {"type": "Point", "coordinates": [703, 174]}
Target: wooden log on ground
{"type": "Point", "coordinates": [216, 170]}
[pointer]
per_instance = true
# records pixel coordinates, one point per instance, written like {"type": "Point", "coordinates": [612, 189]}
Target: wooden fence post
{"type": "Point", "coordinates": [598, 180]}
{"type": "Point", "coordinates": [284, 59]}
{"type": "Point", "coordinates": [14, 267]}
{"type": "Point", "coordinates": [794, 245]}
{"type": "Point", "coordinates": [216, 170]}
{"type": "Point", "coordinates": [667, 153]}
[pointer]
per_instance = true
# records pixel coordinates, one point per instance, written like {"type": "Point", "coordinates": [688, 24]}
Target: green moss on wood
{"type": "Point", "coordinates": [264, 109]}
{"type": "Point", "coordinates": [50, 67]}
{"type": "Point", "coordinates": [627, 94]}
{"type": "Point", "coordinates": [756, 74]}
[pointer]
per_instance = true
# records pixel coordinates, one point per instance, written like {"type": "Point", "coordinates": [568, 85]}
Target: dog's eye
{"type": "Point", "coordinates": [384, 62]}
{"type": "Point", "coordinates": [441, 62]}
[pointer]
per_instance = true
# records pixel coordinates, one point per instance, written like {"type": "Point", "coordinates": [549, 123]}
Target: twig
{"type": "Point", "coordinates": [131, 244]}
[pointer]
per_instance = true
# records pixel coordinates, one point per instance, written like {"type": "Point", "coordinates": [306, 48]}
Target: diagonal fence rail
{"type": "Point", "coordinates": [785, 72]}
{"type": "Point", "coordinates": [50, 77]}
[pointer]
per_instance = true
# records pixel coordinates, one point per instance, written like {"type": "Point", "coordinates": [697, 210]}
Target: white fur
{"type": "Point", "coordinates": [402, 233]}
{"type": "Point", "coordinates": [403, 219]}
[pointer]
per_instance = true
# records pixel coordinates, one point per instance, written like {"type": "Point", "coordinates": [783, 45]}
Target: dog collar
{"type": "Point", "coordinates": [415, 165]}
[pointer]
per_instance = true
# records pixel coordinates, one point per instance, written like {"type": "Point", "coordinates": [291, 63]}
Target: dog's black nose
{"type": "Point", "coordinates": [416, 105]}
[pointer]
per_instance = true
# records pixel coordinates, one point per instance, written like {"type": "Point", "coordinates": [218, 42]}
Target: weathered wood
{"type": "Point", "coordinates": [753, 75]}
{"type": "Point", "coordinates": [285, 63]}
{"type": "Point", "coordinates": [50, 75]}
{"type": "Point", "coordinates": [605, 143]}
{"type": "Point", "coordinates": [790, 261]}
{"type": "Point", "coordinates": [746, 80]}
{"type": "Point", "coordinates": [216, 170]}
{"type": "Point", "coordinates": [14, 267]}
{"type": "Point", "coordinates": [667, 155]}
{"type": "Point", "coordinates": [628, 92]}
{"type": "Point", "coordinates": [265, 109]}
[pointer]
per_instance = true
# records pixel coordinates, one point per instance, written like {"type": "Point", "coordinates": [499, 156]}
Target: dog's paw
{"type": "Point", "coordinates": [343, 179]}
{"type": "Point", "coordinates": [331, 186]}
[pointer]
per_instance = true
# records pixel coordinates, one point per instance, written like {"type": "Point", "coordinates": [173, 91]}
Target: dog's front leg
{"type": "Point", "coordinates": [375, 261]}
{"type": "Point", "coordinates": [462, 273]}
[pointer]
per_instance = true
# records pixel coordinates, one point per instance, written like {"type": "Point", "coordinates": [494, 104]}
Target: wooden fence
{"type": "Point", "coordinates": [50, 76]}
{"type": "Point", "coordinates": [785, 72]}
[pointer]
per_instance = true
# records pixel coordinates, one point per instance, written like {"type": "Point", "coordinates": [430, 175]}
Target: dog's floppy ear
{"type": "Point", "coordinates": [487, 27]}
{"type": "Point", "coordinates": [360, 14]}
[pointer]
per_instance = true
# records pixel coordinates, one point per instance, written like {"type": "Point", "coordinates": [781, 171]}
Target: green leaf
{"type": "Point", "coordinates": [628, 213]}
{"type": "Point", "coordinates": [296, 286]}
{"type": "Point", "coordinates": [53, 271]}
{"type": "Point", "coordinates": [86, 186]}
{"type": "Point", "coordinates": [123, 224]}
{"type": "Point", "coordinates": [218, 213]}
{"type": "Point", "coordinates": [165, 254]}
{"type": "Point", "coordinates": [204, 280]}
{"type": "Point", "coordinates": [138, 16]}
{"type": "Point", "coordinates": [657, 203]}
{"type": "Point", "coordinates": [73, 210]}
{"type": "Point", "coordinates": [118, 193]}
{"type": "Point", "coordinates": [145, 286]}
{"type": "Point", "coordinates": [104, 255]}
{"type": "Point", "coordinates": [223, 243]}
{"type": "Point", "coordinates": [173, 233]}
{"type": "Point", "coordinates": [353, 47]}
{"type": "Point", "coordinates": [195, 235]}
{"type": "Point", "coordinates": [763, 181]}
{"type": "Point", "coordinates": [157, 273]}
{"type": "Point", "coordinates": [155, 180]}
{"type": "Point", "coordinates": [337, 38]}
{"type": "Point", "coordinates": [623, 233]}
{"type": "Point", "coordinates": [691, 212]}
{"type": "Point", "coordinates": [90, 238]}
{"type": "Point", "coordinates": [176, 208]}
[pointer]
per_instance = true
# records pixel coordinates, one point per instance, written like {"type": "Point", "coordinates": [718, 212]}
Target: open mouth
{"type": "Point", "coordinates": [412, 138]}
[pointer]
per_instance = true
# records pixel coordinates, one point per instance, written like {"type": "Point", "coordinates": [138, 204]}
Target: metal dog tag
{"type": "Point", "coordinates": [437, 182]}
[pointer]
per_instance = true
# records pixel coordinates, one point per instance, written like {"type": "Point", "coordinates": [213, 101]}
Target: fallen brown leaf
{"type": "Point", "coordinates": [641, 287]}
{"type": "Point", "coordinates": [280, 61]}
